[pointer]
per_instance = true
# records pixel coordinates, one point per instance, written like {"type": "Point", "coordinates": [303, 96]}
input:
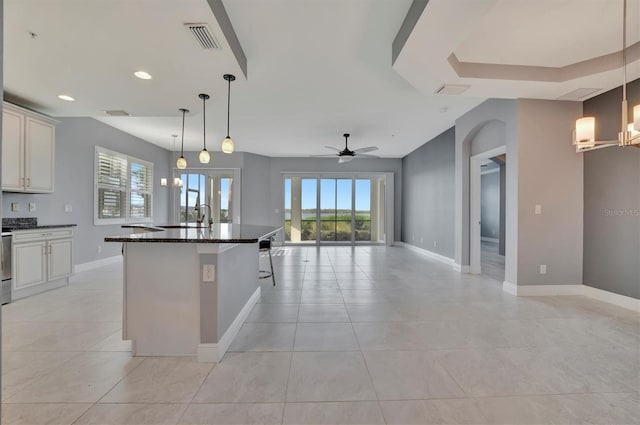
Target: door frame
{"type": "Point", "coordinates": [389, 205]}
{"type": "Point", "coordinates": [475, 206]}
{"type": "Point", "coordinates": [236, 190]}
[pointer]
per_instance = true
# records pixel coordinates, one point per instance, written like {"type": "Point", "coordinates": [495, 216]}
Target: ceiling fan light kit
{"type": "Point", "coordinates": [584, 134]}
{"type": "Point", "coordinates": [346, 154]}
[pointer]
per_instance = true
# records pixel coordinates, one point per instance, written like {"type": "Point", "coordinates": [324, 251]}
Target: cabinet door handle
{"type": "Point", "coordinates": [44, 250]}
{"type": "Point", "coordinates": [28, 181]}
{"type": "Point", "coordinates": [49, 249]}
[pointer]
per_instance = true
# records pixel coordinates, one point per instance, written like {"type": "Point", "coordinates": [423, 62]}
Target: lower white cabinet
{"type": "Point", "coordinates": [40, 257]}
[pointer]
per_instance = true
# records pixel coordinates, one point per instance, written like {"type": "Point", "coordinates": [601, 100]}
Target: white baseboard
{"type": "Point", "coordinates": [97, 263]}
{"type": "Point", "coordinates": [461, 269]}
{"type": "Point", "coordinates": [584, 290]}
{"type": "Point", "coordinates": [510, 288]}
{"type": "Point", "coordinates": [611, 298]}
{"type": "Point", "coordinates": [214, 352]}
{"type": "Point", "coordinates": [488, 239]}
{"type": "Point", "coordinates": [426, 252]}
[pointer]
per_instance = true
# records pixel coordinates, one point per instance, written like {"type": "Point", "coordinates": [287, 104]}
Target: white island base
{"type": "Point", "coordinates": [175, 304]}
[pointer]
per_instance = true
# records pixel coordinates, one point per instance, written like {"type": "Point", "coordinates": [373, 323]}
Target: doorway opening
{"type": "Point", "coordinates": [219, 189]}
{"type": "Point", "coordinates": [488, 213]}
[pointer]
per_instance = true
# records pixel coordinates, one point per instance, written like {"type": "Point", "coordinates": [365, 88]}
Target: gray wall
{"type": "Point", "coordinates": [612, 201]}
{"type": "Point", "coordinates": [262, 185]}
{"type": "Point", "coordinates": [76, 139]}
{"type": "Point", "coordinates": [256, 191]}
{"type": "Point", "coordinates": [428, 195]}
{"type": "Point", "coordinates": [550, 173]}
{"type": "Point", "coordinates": [490, 205]}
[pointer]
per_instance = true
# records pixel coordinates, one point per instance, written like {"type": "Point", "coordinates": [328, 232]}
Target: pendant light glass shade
{"type": "Point", "coordinates": [227, 144]}
{"type": "Point", "coordinates": [204, 156]}
{"type": "Point", "coordinates": [181, 163]}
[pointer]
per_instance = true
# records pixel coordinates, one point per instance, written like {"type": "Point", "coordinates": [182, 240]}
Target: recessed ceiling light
{"type": "Point", "coordinates": [142, 75]}
{"type": "Point", "coordinates": [66, 97]}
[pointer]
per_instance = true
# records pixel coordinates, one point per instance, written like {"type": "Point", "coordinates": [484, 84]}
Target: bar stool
{"type": "Point", "coordinates": [265, 245]}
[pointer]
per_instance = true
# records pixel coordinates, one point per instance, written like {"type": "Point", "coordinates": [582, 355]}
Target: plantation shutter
{"type": "Point", "coordinates": [112, 186]}
{"type": "Point", "coordinates": [123, 188]}
{"type": "Point", "coordinates": [141, 188]}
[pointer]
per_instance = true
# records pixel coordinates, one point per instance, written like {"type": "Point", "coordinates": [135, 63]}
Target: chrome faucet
{"type": "Point", "coordinates": [200, 218]}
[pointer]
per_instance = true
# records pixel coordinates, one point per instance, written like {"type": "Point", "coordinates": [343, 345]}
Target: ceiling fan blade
{"type": "Point", "coordinates": [332, 148]}
{"type": "Point", "coordinates": [329, 155]}
{"type": "Point", "coordinates": [364, 155]}
{"type": "Point", "coordinates": [367, 149]}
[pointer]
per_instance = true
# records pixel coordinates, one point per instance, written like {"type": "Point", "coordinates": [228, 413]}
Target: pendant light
{"type": "Point", "coordinates": [181, 163]}
{"type": "Point", "coordinates": [227, 143]}
{"type": "Point", "coordinates": [204, 156]}
{"type": "Point", "coordinates": [584, 135]}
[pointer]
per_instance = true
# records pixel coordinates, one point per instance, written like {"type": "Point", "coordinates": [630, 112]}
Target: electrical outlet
{"type": "Point", "coordinates": [99, 249]}
{"type": "Point", "coordinates": [435, 244]}
{"type": "Point", "coordinates": [208, 273]}
{"type": "Point", "coordinates": [421, 241]}
{"type": "Point", "coordinates": [538, 209]}
{"type": "Point", "coordinates": [15, 207]}
{"type": "Point", "coordinates": [32, 206]}
{"type": "Point", "coordinates": [543, 269]}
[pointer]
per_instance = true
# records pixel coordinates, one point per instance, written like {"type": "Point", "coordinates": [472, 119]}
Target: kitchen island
{"type": "Point", "coordinates": [187, 290]}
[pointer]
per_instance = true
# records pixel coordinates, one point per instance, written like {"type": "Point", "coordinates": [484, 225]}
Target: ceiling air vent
{"type": "Point", "coordinates": [202, 33]}
{"type": "Point", "coordinates": [117, 113]}
{"type": "Point", "coordinates": [452, 89]}
{"type": "Point", "coordinates": [579, 94]}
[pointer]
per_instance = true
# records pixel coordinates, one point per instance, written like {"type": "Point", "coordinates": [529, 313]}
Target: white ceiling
{"type": "Point", "coordinates": [316, 68]}
{"type": "Point", "coordinates": [544, 33]}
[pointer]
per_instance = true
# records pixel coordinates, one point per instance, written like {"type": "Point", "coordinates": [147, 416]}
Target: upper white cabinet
{"type": "Point", "coordinates": [28, 150]}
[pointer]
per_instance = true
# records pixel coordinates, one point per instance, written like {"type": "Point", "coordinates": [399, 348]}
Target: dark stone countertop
{"type": "Point", "coordinates": [219, 233]}
{"type": "Point", "coordinates": [37, 227]}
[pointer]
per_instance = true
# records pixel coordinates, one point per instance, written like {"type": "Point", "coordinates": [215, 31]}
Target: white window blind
{"type": "Point", "coordinates": [123, 188]}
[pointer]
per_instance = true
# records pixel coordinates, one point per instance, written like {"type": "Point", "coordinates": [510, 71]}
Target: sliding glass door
{"type": "Point", "coordinates": [351, 209]}
{"type": "Point", "coordinates": [335, 210]}
{"type": "Point", "coordinates": [300, 210]}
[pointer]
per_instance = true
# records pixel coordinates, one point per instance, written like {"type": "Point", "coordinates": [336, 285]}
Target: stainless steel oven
{"type": "Point", "coordinates": [7, 275]}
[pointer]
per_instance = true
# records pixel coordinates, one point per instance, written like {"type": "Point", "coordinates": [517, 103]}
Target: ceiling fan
{"type": "Point", "coordinates": [346, 154]}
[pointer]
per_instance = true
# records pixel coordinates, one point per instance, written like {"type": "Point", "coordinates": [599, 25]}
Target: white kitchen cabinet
{"type": "Point", "coordinates": [28, 150]}
{"type": "Point", "coordinates": [12, 150]}
{"type": "Point", "coordinates": [42, 260]}
{"type": "Point", "coordinates": [30, 264]}
{"type": "Point", "coordinates": [60, 257]}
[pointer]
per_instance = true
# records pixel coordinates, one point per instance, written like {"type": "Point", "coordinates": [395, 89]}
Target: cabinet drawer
{"type": "Point", "coordinates": [41, 234]}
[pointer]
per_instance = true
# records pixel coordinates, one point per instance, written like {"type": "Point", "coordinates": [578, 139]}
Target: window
{"type": "Point", "coordinates": [123, 188]}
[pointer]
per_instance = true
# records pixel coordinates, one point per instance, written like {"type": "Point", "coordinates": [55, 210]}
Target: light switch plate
{"type": "Point", "coordinates": [68, 208]}
{"type": "Point", "coordinates": [543, 269]}
{"type": "Point", "coordinates": [32, 206]}
{"type": "Point", "coordinates": [15, 206]}
{"type": "Point", "coordinates": [538, 209]}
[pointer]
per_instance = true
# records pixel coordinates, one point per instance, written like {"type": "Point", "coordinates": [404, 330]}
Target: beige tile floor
{"type": "Point", "coordinates": [369, 335]}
